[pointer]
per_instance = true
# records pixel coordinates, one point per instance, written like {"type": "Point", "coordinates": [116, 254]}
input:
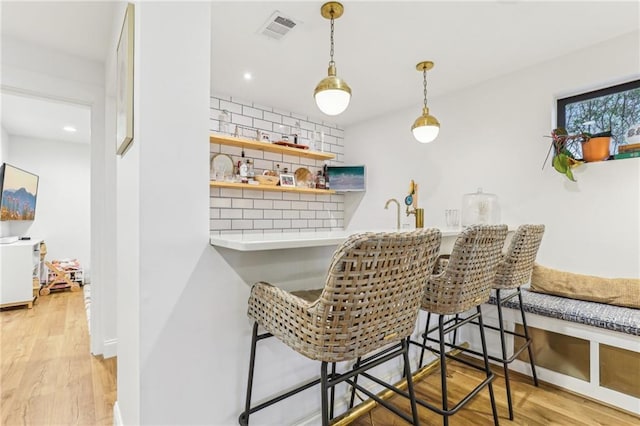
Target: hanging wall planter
{"type": "Point", "coordinates": [596, 147]}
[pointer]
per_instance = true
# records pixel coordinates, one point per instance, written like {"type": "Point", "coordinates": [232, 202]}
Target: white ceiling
{"type": "Point", "coordinates": [377, 44]}
{"type": "Point", "coordinates": [44, 119]}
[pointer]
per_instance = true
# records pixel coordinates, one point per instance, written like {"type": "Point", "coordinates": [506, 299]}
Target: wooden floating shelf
{"type": "Point", "coordinates": [274, 188]}
{"type": "Point", "coordinates": [269, 147]}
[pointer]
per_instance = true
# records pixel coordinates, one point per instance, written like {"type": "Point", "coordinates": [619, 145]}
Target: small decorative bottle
{"type": "Point", "coordinates": [320, 182]}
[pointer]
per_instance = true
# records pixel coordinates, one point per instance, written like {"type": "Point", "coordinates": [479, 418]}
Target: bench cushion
{"type": "Point", "coordinates": [610, 317]}
{"type": "Point", "coordinates": [612, 291]}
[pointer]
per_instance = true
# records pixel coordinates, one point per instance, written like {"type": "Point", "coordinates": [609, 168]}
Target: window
{"type": "Point", "coordinates": [615, 109]}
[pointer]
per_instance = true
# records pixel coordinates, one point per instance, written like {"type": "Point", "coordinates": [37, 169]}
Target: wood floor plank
{"type": "Point", "coordinates": [48, 376]}
{"type": "Point", "coordinates": [533, 406]}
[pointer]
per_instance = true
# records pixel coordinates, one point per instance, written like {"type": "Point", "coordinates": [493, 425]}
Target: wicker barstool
{"type": "Point", "coordinates": [370, 300]}
{"type": "Point", "coordinates": [513, 271]}
{"type": "Point", "coordinates": [463, 283]}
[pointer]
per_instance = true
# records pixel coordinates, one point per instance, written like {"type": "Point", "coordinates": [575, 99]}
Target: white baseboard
{"type": "Point", "coordinates": [117, 417]}
{"type": "Point", "coordinates": [110, 348]}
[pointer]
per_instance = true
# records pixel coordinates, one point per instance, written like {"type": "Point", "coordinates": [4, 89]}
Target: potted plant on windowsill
{"type": "Point", "coordinates": [595, 147]}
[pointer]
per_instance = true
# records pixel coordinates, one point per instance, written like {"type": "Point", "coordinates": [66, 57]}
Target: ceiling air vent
{"type": "Point", "coordinates": [277, 26]}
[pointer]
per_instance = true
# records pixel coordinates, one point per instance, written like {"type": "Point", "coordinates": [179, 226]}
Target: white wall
{"type": "Point", "coordinates": [4, 157]}
{"type": "Point", "coordinates": [492, 136]}
{"type": "Point", "coordinates": [62, 210]}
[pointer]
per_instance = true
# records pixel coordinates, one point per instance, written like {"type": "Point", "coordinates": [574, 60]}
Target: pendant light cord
{"type": "Point", "coordinates": [331, 52]}
{"type": "Point", "coordinates": [424, 76]}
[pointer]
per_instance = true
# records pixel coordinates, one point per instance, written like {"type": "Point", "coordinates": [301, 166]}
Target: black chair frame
{"type": "Point", "coordinates": [445, 327]}
{"type": "Point", "coordinates": [329, 380]}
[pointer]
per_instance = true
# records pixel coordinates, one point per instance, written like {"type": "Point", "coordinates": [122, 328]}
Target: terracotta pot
{"type": "Point", "coordinates": [597, 149]}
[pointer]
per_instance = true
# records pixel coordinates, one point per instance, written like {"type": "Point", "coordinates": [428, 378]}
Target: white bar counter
{"type": "Point", "coordinates": [289, 240]}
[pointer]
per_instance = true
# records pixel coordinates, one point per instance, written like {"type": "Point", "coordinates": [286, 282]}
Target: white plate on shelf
{"type": "Point", "coordinates": [221, 166]}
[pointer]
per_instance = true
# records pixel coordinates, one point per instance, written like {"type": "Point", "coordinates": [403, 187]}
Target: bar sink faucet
{"type": "Point", "coordinates": [386, 206]}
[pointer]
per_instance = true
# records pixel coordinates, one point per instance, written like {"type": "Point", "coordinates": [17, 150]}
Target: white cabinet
{"type": "Point", "coordinates": [20, 269]}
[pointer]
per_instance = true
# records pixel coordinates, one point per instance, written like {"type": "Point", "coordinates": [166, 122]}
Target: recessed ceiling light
{"type": "Point", "coordinates": [247, 76]}
{"type": "Point", "coordinates": [69, 129]}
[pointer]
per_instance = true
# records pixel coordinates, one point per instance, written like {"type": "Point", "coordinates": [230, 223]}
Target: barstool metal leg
{"type": "Point", "coordinates": [528, 343]}
{"type": "Point", "coordinates": [424, 340]}
{"type": "Point", "coordinates": [324, 388]}
{"type": "Point", "coordinates": [407, 372]}
{"type": "Point", "coordinates": [355, 380]}
{"type": "Point", "coordinates": [333, 391]}
{"type": "Point", "coordinates": [487, 366]}
{"type": "Point", "coordinates": [244, 417]}
{"type": "Point", "coordinates": [443, 370]}
{"type": "Point", "coordinates": [505, 364]}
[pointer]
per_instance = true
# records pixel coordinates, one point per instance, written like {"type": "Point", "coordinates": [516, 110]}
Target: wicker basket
{"type": "Point", "coordinates": [267, 180]}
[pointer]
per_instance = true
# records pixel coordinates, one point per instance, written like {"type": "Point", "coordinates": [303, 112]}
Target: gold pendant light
{"type": "Point", "coordinates": [332, 94]}
{"type": "Point", "coordinates": [426, 127]}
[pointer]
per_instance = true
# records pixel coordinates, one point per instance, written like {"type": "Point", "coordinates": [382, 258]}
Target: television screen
{"type": "Point", "coordinates": [19, 191]}
{"type": "Point", "coordinates": [346, 178]}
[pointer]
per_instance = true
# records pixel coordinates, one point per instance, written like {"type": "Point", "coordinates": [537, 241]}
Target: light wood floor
{"type": "Point", "coordinates": [48, 377]}
{"type": "Point", "coordinates": [544, 405]}
{"type": "Point", "coordinates": [47, 374]}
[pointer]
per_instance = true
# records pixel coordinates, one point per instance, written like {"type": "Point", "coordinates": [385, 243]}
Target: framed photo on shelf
{"type": "Point", "coordinates": [124, 83]}
{"type": "Point", "coordinates": [288, 181]}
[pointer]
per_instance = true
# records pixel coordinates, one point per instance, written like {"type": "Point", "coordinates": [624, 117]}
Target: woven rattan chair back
{"type": "Point", "coordinates": [516, 265]}
{"type": "Point", "coordinates": [467, 278]}
{"type": "Point", "coordinates": [370, 299]}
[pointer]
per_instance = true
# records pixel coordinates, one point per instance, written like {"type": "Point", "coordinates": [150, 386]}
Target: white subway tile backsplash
{"type": "Point", "coordinates": [231, 192]}
{"type": "Point", "coordinates": [291, 214]}
{"type": "Point", "coordinates": [220, 202]}
{"type": "Point", "coordinates": [252, 214]}
{"type": "Point", "coordinates": [241, 120]}
{"type": "Point", "coordinates": [300, 205]}
{"type": "Point", "coordinates": [253, 153]}
{"type": "Point", "coordinates": [299, 223]}
{"type": "Point", "coordinates": [242, 204]}
{"type": "Point", "coordinates": [230, 214]}
{"type": "Point", "coordinates": [273, 195]}
{"type": "Point", "coordinates": [241, 224]}
{"type": "Point", "coordinates": [263, 125]}
{"type": "Point", "coordinates": [220, 224]}
{"type": "Point", "coordinates": [273, 156]}
{"type": "Point", "coordinates": [307, 214]}
{"type": "Point", "coordinates": [231, 150]}
{"type": "Point", "coordinates": [274, 214]}
{"type": "Point", "coordinates": [291, 196]}
{"type": "Point", "coordinates": [274, 118]}
{"type": "Point", "coordinates": [252, 193]}
{"type": "Point", "coordinates": [263, 224]}
{"type": "Point", "coordinates": [263, 204]}
{"type": "Point", "coordinates": [254, 211]}
{"type": "Point", "coordinates": [231, 107]}
{"type": "Point", "coordinates": [281, 205]}
{"type": "Point", "coordinates": [251, 112]}
{"type": "Point", "coordinates": [263, 165]}
{"type": "Point", "coordinates": [330, 206]}
{"type": "Point", "coordinates": [284, 224]}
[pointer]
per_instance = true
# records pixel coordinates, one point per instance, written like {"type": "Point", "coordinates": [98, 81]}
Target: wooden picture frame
{"type": "Point", "coordinates": [124, 83]}
{"type": "Point", "coordinates": [287, 180]}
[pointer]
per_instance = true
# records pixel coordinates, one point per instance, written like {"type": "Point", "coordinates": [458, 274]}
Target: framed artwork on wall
{"type": "Point", "coordinates": [124, 83]}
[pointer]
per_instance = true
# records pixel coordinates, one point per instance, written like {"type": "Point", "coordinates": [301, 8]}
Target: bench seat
{"type": "Point", "coordinates": [610, 317]}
